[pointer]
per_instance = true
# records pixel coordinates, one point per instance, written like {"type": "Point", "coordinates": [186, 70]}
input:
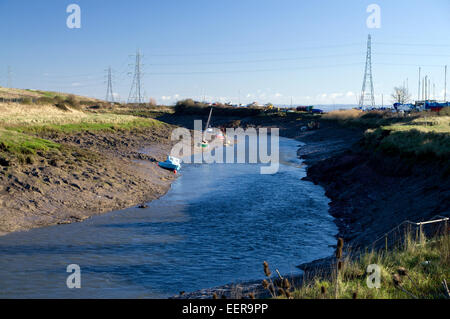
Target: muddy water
{"type": "Point", "coordinates": [216, 225]}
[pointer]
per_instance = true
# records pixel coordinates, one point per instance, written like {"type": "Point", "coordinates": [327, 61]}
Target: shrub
{"type": "Point", "coordinates": [58, 99]}
{"type": "Point", "coordinates": [425, 145]}
{"type": "Point", "coordinates": [62, 106]}
{"type": "Point", "coordinates": [73, 101]}
{"type": "Point", "coordinates": [27, 100]}
{"type": "Point", "coordinates": [190, 106]}
{"type": "Point", "coordinates": [445, 111]}
{"type": "Point", "coordinates": [45, 100]}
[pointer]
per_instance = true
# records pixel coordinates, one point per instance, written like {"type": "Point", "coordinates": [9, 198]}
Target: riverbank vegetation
{"type": "Point", "coordinates": [417, 269]}
{"type": "Point", "coordinates": [26, 126]}
{"type": "Point", "coordinates": [191, 107]}
{"type": "Point", "coordinates": [425, 135]}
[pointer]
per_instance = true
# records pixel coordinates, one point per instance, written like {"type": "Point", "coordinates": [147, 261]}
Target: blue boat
{"type": "Point", "coordinates": [171, 163]}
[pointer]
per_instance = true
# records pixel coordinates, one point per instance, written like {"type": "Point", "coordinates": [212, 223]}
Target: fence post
{"type": "Point", "coordinates": [420, 233]}
{"type": "Point", "coordinates": [386, 242]}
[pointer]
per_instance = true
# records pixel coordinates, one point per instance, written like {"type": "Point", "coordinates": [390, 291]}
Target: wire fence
{"type": "Point", "coordinates": [18, 100]}
{"type": "Point", "coordinates": [437, 225]}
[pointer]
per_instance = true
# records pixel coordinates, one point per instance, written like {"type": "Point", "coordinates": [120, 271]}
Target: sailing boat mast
{"type": "Point", "coordinates": [209, 119]}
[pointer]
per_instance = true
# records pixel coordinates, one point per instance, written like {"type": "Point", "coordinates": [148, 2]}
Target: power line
{"type": "Point", "coordinates": [413, 44]}
{"type": "Point", "coordinates": [321, 47]}
{"type": "Point", "coordinates": [257, 60]}
{"type": "Point", "coordinates": [255, 51]}
{"type": "Point", "coordinates": [256, 70]}
{"type": "Point", "coordinates": [408, 64]}
{"type": "Point", "coordinates": [415, 54]}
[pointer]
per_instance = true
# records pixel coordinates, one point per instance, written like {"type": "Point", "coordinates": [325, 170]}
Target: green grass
{"type": "Point", "coordinates": [18, 143]}
{"type": "Point", "coordinates": [427, 265]}
{"type": "Point", "coordinates": [421, 137]}
{"type": "Point", "coordinates": [70, 128]}
{"type": "Point", "coordinates": [435, 124]}
{"type": "Point", "coordinates": [422, 134]}
{"type": "Point", "coordinates": [48, 94]}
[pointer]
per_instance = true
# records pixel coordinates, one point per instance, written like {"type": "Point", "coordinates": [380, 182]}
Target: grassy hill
{"type": "Point", "coordinates": [12, 93]}
{"type": "Point", "coordinates": [25, 124]}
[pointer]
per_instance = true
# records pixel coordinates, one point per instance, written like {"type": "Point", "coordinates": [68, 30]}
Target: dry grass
{"type": "Point", "coordinates": [23, 128]}
{"type": "Point", "coordinates": [341, 115]}
{"type": "Point", "coordinates": [11, 93]}
{"type": "Point", "coordinates": [8, 93]}
{"type": "Point", "coordinates": [419, 267]}
{"type": "Point", "coordinates": [13, 114]}
{"type": "Point", "coordinates": [426, 124]}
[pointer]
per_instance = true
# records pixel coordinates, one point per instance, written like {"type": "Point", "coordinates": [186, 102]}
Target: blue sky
{"type": "Point", "coordinates": [312, 51]}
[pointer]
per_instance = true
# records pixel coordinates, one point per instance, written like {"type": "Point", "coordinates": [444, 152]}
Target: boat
{"type": "Point", "coordinates": [171, 163]}
{"type": "Point", "coordinates": [220, 136]}
{"type": "Point", "coordinates": [208, 129]}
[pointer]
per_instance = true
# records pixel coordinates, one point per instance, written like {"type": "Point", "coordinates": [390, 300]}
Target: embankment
{"type": "Point", "coordinates": [62, 166]}
{"type": "Point", "coordinates": [371, 192]}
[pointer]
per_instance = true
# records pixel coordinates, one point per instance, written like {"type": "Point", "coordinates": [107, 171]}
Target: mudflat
{"type": "Point", "coordinates": [92, 173]}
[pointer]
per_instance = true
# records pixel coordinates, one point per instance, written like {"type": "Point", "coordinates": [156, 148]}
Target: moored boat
{"type": "Point", "coordinates": [172, 163]}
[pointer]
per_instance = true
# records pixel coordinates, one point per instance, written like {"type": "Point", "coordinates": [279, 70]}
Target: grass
{"type": "Point", "coordinates": [39, 117]}
{"type": "Point", "coordinates": [87, 126]}
{"type": "Point", "coordinates": [427, 124]}
{"type": "Point", "coordinates": [22, 127]}
{"type": "Point", "coordinates": [19, 147]}
{"type": "Point", "coordinates": [423, 134]}
{"type": "Point", "coordinates": [10, 93]}
{"type": "Point", "coordinates": [423, 137]}
{"type": "Point", "coordinates": [372, 119]}
{"type": "Point", "coordinates": [426, 265]}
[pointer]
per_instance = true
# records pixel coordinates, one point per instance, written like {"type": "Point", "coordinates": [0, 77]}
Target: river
{"type": "Point", "coordinates": [216, 225]}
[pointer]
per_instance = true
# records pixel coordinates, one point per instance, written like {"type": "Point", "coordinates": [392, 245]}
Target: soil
{"type": "Point", "coordinates": [93, 174]}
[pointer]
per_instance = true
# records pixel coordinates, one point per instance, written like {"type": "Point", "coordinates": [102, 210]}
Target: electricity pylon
{"type": "Point", "coordinates": [109, 90]}
{"type": "Point", "coordinates": [367, 78]}
{"type": "Point", "coordinates": [135, 95]}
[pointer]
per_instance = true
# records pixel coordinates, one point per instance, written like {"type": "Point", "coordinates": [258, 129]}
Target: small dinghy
{"type": "Point", "coordinates": [220, 136]}
{"type": "Point", "coordinates": [172, 163]}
